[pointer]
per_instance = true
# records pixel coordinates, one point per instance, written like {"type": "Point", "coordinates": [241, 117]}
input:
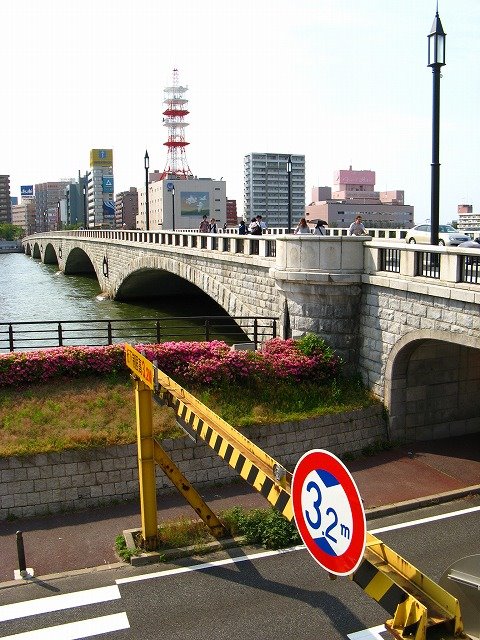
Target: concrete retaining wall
{"type": "Point", "coordinates": [71, 480]}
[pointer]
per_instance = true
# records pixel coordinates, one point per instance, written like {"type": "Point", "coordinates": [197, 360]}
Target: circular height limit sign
{"type": "Point", "coordinates": [329, 512]}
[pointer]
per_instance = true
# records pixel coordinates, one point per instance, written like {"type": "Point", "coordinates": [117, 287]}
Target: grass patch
{"type": "Point", "coordinates": [80, 414]}
{"type": "Point", "coordinates": [93, 412]}
{"type": "Point", "coordinates": [265, 527]}
{"type": "Point", "coordinates": [281, 401]}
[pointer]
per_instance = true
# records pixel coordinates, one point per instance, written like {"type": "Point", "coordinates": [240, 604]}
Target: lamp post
{"type": "Point", "coordinates": [289, 176]}
{"type": "Point", "coordinates": [173, 207]}
{"type": "Point", "coordinates": [147, 202]}
{"type": "Point", "coordinates": [436, 59]}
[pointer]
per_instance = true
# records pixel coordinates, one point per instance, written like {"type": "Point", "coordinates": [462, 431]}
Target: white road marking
{"type": "Point", "coordinates": [413, 523]}
{"type": "Point", "coordinates": [207, 565]}
{"type": "Point", "coordinates": [368, 634]}
{"type": "Point", "coordinates": [57, 603]}
{"type": "Point", "coordinates": [76, 630]}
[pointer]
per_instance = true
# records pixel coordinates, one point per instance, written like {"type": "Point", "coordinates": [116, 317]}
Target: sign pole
{"type": "Point", "coordinates": [146, 464]}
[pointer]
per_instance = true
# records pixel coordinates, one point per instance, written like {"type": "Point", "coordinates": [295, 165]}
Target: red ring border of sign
{"type": "Point", "coordinates": [320, 459]}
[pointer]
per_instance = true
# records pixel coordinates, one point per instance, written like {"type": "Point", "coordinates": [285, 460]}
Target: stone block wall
{"type": "Point", "coordinates": [71, 480]}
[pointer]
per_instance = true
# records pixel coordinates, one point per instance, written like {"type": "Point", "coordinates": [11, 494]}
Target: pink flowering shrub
{"type": "Point", "coordinates": [287, 361]}
{"type": "Point", "coordinates": [211, 363]}
{"type": "Point", "coordinates": [22, 368]}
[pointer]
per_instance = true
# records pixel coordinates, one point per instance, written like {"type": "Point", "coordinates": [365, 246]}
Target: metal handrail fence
{"type": "Point", "coordinates": [25, 336]}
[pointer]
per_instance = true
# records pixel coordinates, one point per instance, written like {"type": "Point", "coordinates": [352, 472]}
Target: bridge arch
{"type": "Point", "coordinates": [432, 381]}
{"type": "Point", "coordinates": [28, 249]}
{"type": "Point", "coordinates": [36, 253]}
{"type": "Point", "coordinates": [171, 273]}
{"type": "Point", "coordinates": [50, 255]}
{"type": "Point", "coordinates": [78, 261]}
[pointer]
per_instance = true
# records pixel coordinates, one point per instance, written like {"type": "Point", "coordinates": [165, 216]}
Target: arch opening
{"type": "Point", "coordinates": [78, 261]}
{"type": "Point", "coordinates": [50, 255]}
{"type": "Point", "coordinates": [167, 290]}
{"type": "Point", "coordinates": [432, 390]}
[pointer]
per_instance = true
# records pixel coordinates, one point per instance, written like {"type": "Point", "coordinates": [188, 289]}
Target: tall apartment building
{"type": "Point", "coordinates": [100, 193]}
{"type": "Point", "coordinates": [266, 189]}
{"type": "Point", "coordinates": [126, 209]}
{"type": "Point", "coordinates": [5, 203]}
{"type": "Point", "coordinates": [76, 202]}
{"type": "Point", "coordinates": [232, 218]}
{"type": "Point", "coordinates": [47, 198]}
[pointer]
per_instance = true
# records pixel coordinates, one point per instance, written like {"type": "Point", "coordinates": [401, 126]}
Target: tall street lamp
{"type": "Point", "coordinates": [147, 201]}
{"type": "Point", "coordinates": [436, 59]}
{"type": "Point", "coordinates": [289, 176]}
{"type": "Point", "coordinates": [173, 207]}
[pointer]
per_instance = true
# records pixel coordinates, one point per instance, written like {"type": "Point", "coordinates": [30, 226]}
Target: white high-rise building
{"type": "Point", "coordinates": [266, 189]}
{"type": "Point", "coordinates": [100, 192]}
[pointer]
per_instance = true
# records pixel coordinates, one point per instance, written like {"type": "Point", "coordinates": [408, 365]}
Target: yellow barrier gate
{"type": "Point", "coordinates": [421, 609]}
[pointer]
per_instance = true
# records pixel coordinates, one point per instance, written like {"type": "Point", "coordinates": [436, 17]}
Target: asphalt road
{"type": "Point", "coordinates": [269, 596]}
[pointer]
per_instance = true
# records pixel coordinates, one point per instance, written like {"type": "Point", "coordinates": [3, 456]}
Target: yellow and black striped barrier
{"type": "Point", "coordinates": [419, 607]}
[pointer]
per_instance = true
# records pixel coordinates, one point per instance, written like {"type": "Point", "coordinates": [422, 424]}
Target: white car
{"type": "Point", "coordinates": [446, 235]}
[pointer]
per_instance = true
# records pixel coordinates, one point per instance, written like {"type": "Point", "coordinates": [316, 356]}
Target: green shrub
{"type": "Point", "coordinates": [262, 526]}
{"type": "Point", "coordinates": [311, 345]}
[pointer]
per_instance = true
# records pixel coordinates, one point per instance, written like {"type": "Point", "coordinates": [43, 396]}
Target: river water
{"type": "Point", "coordinates": [31, 291]}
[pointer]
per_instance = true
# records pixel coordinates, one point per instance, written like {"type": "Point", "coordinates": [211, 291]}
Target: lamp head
{"type": "Point", "coordinates": [436, 43]}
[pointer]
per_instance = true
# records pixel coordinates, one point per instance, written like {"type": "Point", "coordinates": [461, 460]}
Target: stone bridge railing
{"type": "Point", "coordinates": [321, 258]}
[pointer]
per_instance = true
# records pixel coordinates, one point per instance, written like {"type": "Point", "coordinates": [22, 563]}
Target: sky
{"type": "Point", "coordinates": [342, 82]}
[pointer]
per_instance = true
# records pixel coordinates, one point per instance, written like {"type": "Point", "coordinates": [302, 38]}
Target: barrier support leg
{"type": "Point", "coordinates": [146, 465]}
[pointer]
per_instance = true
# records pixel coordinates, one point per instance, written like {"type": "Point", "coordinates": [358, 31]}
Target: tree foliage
{"type": "Point", "coordinates": [11, 231]}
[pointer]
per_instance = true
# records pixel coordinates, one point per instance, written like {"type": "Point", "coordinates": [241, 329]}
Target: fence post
{"type": "Point", "coordinates": [255, 333]}
{"type": "Point", "coordinates": [10, 337]}
{"type": "Point", "coordinates": [60, 336]}
{"type": "Point", "coordinates": [109, 332]}
{"type": "Point", "coordinates": [274, 329]}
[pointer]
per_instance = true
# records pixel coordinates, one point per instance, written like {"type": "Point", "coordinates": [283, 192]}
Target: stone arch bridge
{"type": "Point", "coordinates": [406, 317]}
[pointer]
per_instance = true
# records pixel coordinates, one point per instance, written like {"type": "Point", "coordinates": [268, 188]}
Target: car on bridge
{"type": "Point", "coordinates": [447, 235]}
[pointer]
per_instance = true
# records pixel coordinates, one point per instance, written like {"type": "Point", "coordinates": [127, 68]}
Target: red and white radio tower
{"type": "Point", "coordinates": [176, 165]}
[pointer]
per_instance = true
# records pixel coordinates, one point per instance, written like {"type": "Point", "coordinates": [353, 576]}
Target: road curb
{"type": "Point", "coordinates": [418, 503]}
{"type": "Point", "coordinates": [371, 514]}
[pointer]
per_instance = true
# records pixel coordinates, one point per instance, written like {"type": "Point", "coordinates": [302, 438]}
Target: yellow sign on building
{"type": "Point", "coordinates": [141, 366]}
{"type": "Point", "coordinates": [101, 157]}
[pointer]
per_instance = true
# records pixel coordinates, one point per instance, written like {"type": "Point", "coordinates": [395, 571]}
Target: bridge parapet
{"type": "Point", "coordinates": [449, 272]}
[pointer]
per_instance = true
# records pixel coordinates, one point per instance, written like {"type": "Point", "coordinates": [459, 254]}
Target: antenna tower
{"type": "Point", "coordinates": [177, 164]}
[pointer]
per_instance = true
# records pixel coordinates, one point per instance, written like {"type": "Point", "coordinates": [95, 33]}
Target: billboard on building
{"type": "Point", "coordinates": [26, 191]}
{"type": "Point", "coordinates": [101, 157]}
{"type": "Point", "coordinates": [195, 203]}
{"type": "Point", "coordinates": [108, 209]}
{"type": "Point", "coordinates": [352, 176]}
{"type": "Point", "coordinates": [107, 184]}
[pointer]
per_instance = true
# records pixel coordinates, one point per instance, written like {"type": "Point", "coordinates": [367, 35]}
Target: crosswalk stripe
{"type": "Point", "coordinates": [76, 630]}
{"type": "Point", "coordinates": [56, 603]}
{"type": "Point", "coordinates": [368, 634]}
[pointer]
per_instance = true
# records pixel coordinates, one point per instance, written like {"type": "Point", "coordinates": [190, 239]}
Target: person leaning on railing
{"type": "Point", "coordinates": [357, 228]}
{"type": "Point", "coordinates": [302, 227]}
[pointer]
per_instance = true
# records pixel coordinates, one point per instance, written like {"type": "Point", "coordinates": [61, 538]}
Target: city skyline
{"type": "Point", "coordinates": [341, 83]}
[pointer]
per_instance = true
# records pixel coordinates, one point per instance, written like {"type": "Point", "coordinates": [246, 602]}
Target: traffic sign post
{"type": "Point", "coordinates": [329, 512]}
